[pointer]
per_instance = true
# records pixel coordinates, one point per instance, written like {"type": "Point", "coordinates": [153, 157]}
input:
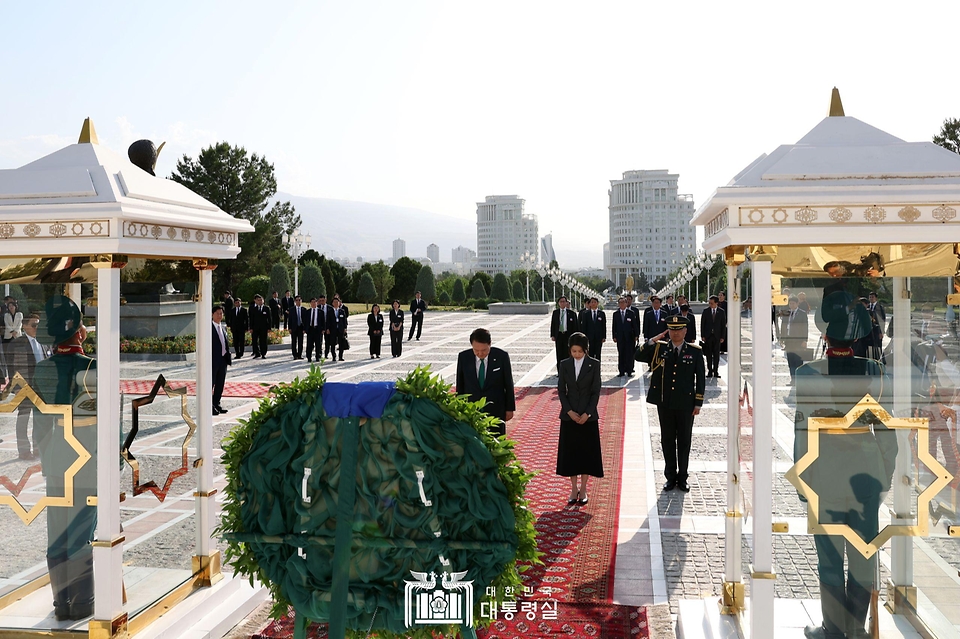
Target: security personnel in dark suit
{"type": "Point", "coordinates": [626, 330]}
{"type": "Point", "coordinates": [562, 325]}
{"type": "Point", "coordinates": [417, 307]}
{"type": "Point", "coordinates": [854, 468]}
{"type": "Point", "coordinates": [260, 322]}
{"type": "Point", "coordinates": [275, 313]}
{"type": "Point", "coordinates": [221, 359]}
{"type": "Point", "coordinates": [654, 319]}
{"type": "Point", "coordinates": [68, 377]}
{"type": "Point", "coordinates": [239, 322]}
{"type": "Point", "coordinates": [335, 328]}
{"type": "Point", "coordinates": [670, 307]}
{"type": "Point", "coordinates": [286, 303]}
{"type": "Point", "coordinates": [483, 372]}
{"type": "Point", "coordinates": [691, 323]}
{"type": "Point", "coordinates": [677, 382]}
{"type": "Point", "coordinates": [713, 331]}
{"type": "Point", "coordinates": [315, 323]}
{"type": "Point", "coordinates": [296, 321]}
{"type": "Point", "coordinates": [593, 324]}
{"type": "Point", "coordinates": [23, 354]}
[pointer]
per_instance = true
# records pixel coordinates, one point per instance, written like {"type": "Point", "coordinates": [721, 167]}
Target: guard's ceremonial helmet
{"type": "Point", "coordinates": [63, 318]}
{"type": "Point", "coordinates": [675, 323]}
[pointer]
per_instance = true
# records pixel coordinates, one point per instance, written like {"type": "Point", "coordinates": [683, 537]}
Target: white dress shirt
{"type": "Point", "coordinates": [38, 353]}
{"type": "Point", "coordinates": [486, 366]}
{"type": "Point", "coordinates": [577, 365]}
{"type": "Point", "coordinates": [223, 338]}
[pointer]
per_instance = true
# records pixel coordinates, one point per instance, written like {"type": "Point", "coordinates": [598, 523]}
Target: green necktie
{"type": "Point", "coordinates": [482, 375]}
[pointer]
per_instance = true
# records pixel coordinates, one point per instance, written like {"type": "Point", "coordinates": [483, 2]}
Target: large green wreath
{"type": "Point", "coordinates": [474, 479]}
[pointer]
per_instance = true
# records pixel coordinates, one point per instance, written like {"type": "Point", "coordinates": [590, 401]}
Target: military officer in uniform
{"type": "Point", "coordinates": [68, 377]}
{"type": "Point", "coordinates": [677, 382]}
{"type": "Point", "coordinates": [854, 468]}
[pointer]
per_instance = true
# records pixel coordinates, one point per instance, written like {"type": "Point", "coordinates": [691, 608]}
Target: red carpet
{"type": "Point", "coordinates": [230, 389]}
{"type": "Point", "coordinates": [578, 542]}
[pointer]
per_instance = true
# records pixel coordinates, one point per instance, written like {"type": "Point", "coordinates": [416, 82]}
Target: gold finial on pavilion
{"type": "Point", "coordinates": [88, 134]}
{"type": "Point", "coordinates": [836, 106]}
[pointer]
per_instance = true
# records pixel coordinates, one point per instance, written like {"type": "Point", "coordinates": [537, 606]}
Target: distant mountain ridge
{"type": "Point", "coordinates": [344, 228]}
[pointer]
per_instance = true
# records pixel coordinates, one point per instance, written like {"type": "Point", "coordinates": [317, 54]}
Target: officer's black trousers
{"type": "Point", "coordinates": [676, 429]}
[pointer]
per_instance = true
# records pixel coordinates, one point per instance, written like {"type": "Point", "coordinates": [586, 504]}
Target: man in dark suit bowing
{"type": "Point", "coordinates": [713, 332]}
{"type": "Point", "coordinates": [562, 325]}
{"type": "Point", "coordinates": [626, 329]}
{"type": "Point", "coordinates": [654, 319]}
{"type": "Point", "coordinates": [296, 320]}
{"type": "Point", "coordinates": [593, 324]}
{"type": "Point", "coordinates": [221, 359]}
{"type": "Point", "coordinates": [483, 372]}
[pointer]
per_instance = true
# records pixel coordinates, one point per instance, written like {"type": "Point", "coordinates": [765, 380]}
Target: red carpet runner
{"type": "Point", "coordinates": [578, 542]}
{"type": "Point", "coordinates": [230, 389]}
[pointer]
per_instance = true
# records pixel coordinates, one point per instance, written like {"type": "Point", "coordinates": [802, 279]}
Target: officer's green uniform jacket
{"type": "Point", "coordinates": [675, 382]}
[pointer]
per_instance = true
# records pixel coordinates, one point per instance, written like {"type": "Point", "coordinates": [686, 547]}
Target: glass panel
{"type": "Point", "coordinates": [48, 426]}
{"type": "Point", "coordinates": [868, 441]}
{"type": "Point", "coordinates": [157, 373]}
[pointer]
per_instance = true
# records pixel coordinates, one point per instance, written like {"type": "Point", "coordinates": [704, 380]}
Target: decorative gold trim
{"type": "Point", "coordinates": [24, 590]}
{"type": "Point", "coordinates": [901, 599]}
{"type": "Point", "coordinates": [198, 462]}
{"type": "Point", "coordinates": [83, 455]}
{"type": "Point", "coordinates": [204, 264]}
{"type": "Point", "coordinates": [734, 255]}
{"type": "Point", "coordinates": [845, 423]}
{"type": "Point", "coordinates": [762, 253]}
{"type": "Point", "coordinates": [953, 531]}
{"type": "Point", "coordinates": [115, 628]}
{"type": "Point", "coordinates": [116, 541]}
{"type": "Point", "coordinates": [836, 106]}
{"type": "Point", "coordinates": [163, 605]}
{"type": "Point", "coordinates": [205, 493]}
{"type": "Point", "coordinates": [108, 261]}
{"type": "Point", "coordinates": [781, 527]}
{"type": "Point", "coordinates": [207, 568]}
{"type": "Point", "coordinates": [761, 575]}
{"type": "Point", "coordinates": [734, 513]}
{"type": "Point", "coordinates": [732, 599]}
{"type": "Point", "coordinates": [88, 133]}
{"type": "Point", "coordinates": [91, 500]}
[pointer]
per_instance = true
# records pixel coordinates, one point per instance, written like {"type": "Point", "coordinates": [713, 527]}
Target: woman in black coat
{"type": "Point", "coordinates": [396, 329]}
{"type": "Point", "coordinates": [375, 330]}
{"type": "Point", "coordinates": [578, 451]}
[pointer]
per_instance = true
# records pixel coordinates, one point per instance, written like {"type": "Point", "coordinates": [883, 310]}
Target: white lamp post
{"type": "Point", "coordinates": [296, 244]}
{"type": "Point", "coordinates": [528, 259]}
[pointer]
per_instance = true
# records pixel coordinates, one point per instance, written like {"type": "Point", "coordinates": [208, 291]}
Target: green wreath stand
{"type": "Point", "coordinates": [338, 510]}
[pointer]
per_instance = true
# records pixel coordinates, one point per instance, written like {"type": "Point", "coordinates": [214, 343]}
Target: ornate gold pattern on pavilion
{"type": "Point", "coordinates": [927, 260]}
{"type": "Point", "coordinates": [151, 231]}
{"type": "Point", "coordinates": [839, 424]}
{"type": "Point", "coordinates": [127, 455]}
{"type": "Point", "coordinates": [25, 392]}
{"type": "Point", "coordinates": [54, 229]}
{"type": "Point", "coordinates": [827, 215]}
{"type": "Point", "coordinates": [718, 223]}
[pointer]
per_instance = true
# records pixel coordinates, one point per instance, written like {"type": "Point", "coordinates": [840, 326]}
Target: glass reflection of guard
{"type": "Point", "coordinates": [855, 466]}
{"type": "Point", "coordinates": [68, 377]}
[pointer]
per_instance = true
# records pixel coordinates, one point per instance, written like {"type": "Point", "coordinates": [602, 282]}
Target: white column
{"type": "Point", "coordinates": [108, 550]}
{"type": "Point", "coordinates": [73, 292]}
{"type": "Point", "coordinates": [732, 572]}
{"type": "Point", "coordinates": [761, 586]}
{"type": "Point", "coordinates": [901, 569]}
{"type": "Point", "coordinates": [204, 500]}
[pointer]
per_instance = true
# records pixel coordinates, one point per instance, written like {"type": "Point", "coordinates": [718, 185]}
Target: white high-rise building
{"type": "Point", "coordinates": [504, 234]}
{"type": "Point", "coordinates": [399, 249]}
{"type": "Point", "coordinates": [463, 255]}
{"type": "Point", "coordinates": [433, 252]}
{"type": "Point", "coordinates": [547, 254]}
{"type": "Point", "coordinates": [650, 228]}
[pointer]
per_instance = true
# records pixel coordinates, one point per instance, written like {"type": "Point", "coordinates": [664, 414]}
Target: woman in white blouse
{"type": "Point", "coordinates": [12, 322]}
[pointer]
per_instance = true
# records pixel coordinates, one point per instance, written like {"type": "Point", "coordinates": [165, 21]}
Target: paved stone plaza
{"type": "Point", "coordinates": [670, 545]}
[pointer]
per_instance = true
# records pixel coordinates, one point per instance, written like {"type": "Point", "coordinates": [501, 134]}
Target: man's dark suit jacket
{"type": "Point", "coordinates": [292, 323]}
{"type": "Point", "coordinates": [579, 394]}
{"type": "Point", "coordinates": [306, 312]}
{"type": "Point", "coordinates": [497, 388]}
{"type": "Point", "coordinates": [418, 305]}
{"type": "Point", "coordinates": [794, 334]}
{"type": "Point", "coordinates": [239, 322]}
{"type": "Point", "coordinates": [710, 327]}
{"type": "Point", "coordinates": [218, 346]}
{"type": "Point", "coordinates": [593, 330]}
{"type": "Point", "coordinates": [260, 321]}
{"type": "Point", "coordinates": [274, 305]}
{"type": "Point", "coordinates": [691, 335]}
{"type": "Point", "coordinates": [627, 329]}
{"type": "Point", "coordinates": [572, 324]}
{"type": "Point", "coordinates": [336, 320]}
{"type": "Point", "coordinates": [652, 327]}
{"type": "Point", "coordinates": [21, 358]}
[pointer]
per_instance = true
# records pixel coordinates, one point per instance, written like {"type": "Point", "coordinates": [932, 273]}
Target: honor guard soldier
{"type": "Point", "coordinates": [677, 382]}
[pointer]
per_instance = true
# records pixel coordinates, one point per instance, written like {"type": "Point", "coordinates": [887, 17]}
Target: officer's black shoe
{"type": "Point", "coordinates": [819, 632]}
{"type": "Point", "coordinates": [670, 485]}
{"type": "Point", "coordinates": [684, 486]}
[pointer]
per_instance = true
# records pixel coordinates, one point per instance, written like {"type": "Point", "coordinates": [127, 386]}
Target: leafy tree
{"type": "Point", "coordinates": [949, 136]}
{"type": "Point", "coordinates": [483, 277]}
{"type": "Point", "coordinates": [279, 279]}
{"type": "Point", "coordinates": [252, 286]}
{"type": "Point", "coordinates": [328, 282]}
{"type": "Point", "coordinates": [382, 278]}
{"type": "Point", "coordinates": [501, 288]}
{"type": "Point", "coordinates": [311, 281]}
{"type": "Point", "coordinates": [311, 255]}
{"type": "Point", "coordinates": [241, 185]}
{"type": "Point", "coordinates": [366, 291]}
{"type": "Point", "coordinates": [554, 264]}
{"type": "Point", "coordinates": [426, 283]}
{"type": "Point", "coordinates": [477, 292]}
{"type": "Point", "coordinates": [405, 272]}
{"type": "Point", "coordinates": [459, 295]}
{"type": "Point", "coordinates": [444, 298]}
{"type": "Point", "coordinates": [519, 292]}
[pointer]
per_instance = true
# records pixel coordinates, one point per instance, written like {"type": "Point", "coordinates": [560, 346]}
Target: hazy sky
{"type": "Point", "coordinates": [436, 104]}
